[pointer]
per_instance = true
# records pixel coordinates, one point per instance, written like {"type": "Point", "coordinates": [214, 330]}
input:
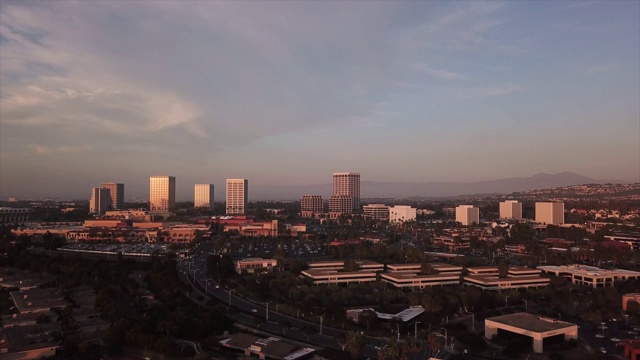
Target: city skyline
{"type": "Point", "coordinates": [286, 93]}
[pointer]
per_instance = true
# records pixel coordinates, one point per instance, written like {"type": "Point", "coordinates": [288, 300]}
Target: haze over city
{"type": "Point", "coordinates": [286, 93]}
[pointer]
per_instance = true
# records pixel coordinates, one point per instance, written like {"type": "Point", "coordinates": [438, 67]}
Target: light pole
{"type": "Point", "coordinates": [473, 322]}
{"type": "Point", "coordinates": [602, 328]}
{"type": "Point", "coordinates": [506, 298]}
{"type": "Point", "coordinates": [525, 306]}
{"type": "Point", "coordinates": [626, 319]}
{"type": "Point", "coordinates": [267, 316]}
{"type": "Point", "coordinates": [415, 325]}
{"type": "Point", "coordinates": [321, 318]}
{"type": "Point", "coordinates": [398, 332]}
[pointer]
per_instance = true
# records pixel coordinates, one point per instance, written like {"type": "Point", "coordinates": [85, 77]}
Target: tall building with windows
{"type": "Point", "coordinates": [162, 193]}
{"type": "Point", "coordinates": [100, 200]}
{"type": "Point", "coordinates": [347, 184]}
{"type": "Point", "coordinates": [237, 195]}
{"type": "Point", "coordinates": [117, 194]}
{"type": "Point", "coordinates": [511, 209]}
{"type": "Point", "coordinates": [467, 215]}
{"type": "Point", "coordinates": [340, 204]}
{"type": "Point", "coordinates": [550, 213]}
{"type": "Point", "coordinates": [203, 196]}
{"type": "Point", "coordinates": [310, 205]}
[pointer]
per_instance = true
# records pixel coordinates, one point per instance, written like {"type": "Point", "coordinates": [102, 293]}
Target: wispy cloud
{"type": "Point", "coordinates": [601, 68]}
{"type": "Point", "coordinates": [439, 73]}
{"type": "Point", "coordinates": [62, 149]}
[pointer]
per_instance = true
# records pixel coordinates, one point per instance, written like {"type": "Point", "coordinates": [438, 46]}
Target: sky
{"type": "Point", "coordinates": [290, 92]}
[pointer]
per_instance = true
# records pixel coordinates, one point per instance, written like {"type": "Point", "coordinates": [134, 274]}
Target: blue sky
{"type": "Point", "coordinates": [289, 92]}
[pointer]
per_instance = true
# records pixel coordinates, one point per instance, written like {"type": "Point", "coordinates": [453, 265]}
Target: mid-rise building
{"type": "Point", "coordinates": [237, 195]}
{"type": "Point", "coordinates": [310, 205]}
{"type": "Point", "coordinates": [340, 204]}
{"type": "Point", "coordinates": [162, 193]}
{"type": "Point", "coordinates": [401, 213]}
{"type": "Point", "coordinates": [376, 211]}
{"type": "Point", "coordinates": [511, 209]}
{"type": "Point", "coordinates": [203, 196]}
{"type": "Point", "coordinates": [467, 215]}
{"type": "Point", "coordinates": [117, 194]}
{"type": "Point", "coordinates": [347, 184]}
{"type": "Point", "coordinates": [550, 213]}
{"type": "Point", "coordinates": [100, 200]}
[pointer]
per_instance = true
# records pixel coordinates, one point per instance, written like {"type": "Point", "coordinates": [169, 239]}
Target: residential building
{"type": "Point", "coordinates": [237, 196]}
{"type": "Point", "coordinates": [550, 213]}
{"type": "Point", "coordinates": [537, 327]}
{"type": "Point", "coordinates": [311, 205]}
{"type": "Point", "coordinates": [511, 209]}
{"type": "Point", "coordinates": [162, 193]}
{"type": "Point", "coordinates": [401, 213]}
{"type": "Point", "coordinates": [100, 201]}
{"type": "Point", "coordinates": [467, 215]}
{"type": "Point", "coordinates": [203, 196]}
{"type": "Point", "coordinates": [347, 184]}
{"type": "Point", "coordinates": [376, 211]}
{"type": "Point", "coordinates": [117, 194]}
{"type": "Point", "coordinates": [340, 204]}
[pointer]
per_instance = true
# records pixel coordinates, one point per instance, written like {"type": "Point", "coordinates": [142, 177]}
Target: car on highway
{"type": "Point", "coordinates": [600, 336]}
{"type": "Point", "coordinates": [603, 350]}
{"type": "Point", "coordinates": [615, 340]}
{"type": "Point", "coordinates": [254, 310]}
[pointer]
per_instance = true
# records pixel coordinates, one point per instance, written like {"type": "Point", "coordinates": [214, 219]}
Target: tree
{"type": "Point", "coordinates": [367, 317]}
{"type": "Point", "coordinates": [355, 343]}
{"type": "Point", "coordinates": [351, 265]}
{"type": "Point", "coordinates": [503, 269]}
{"type": "Point", "coordinates": [392, 351]}
{"type": "Point", "coordinates": [285, 326]}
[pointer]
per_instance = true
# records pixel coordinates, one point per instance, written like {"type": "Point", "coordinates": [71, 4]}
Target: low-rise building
{"type": "Point", "coordinates": [537, 327]}
{"type": "Point", "coordinates": [590, 275]}
{"type": "Point", "coordinates": [376, 211]}
{"type": "Point", "coordinates": [629, 297]}
{"type": "Point", "coordinates": [251, 264]}
{"type": "Point", "coordinates": [401, 214]}
{"type": "Point", "coordinates": [257, 228]}
{"type": "Point", "coordinates": [402, 279]}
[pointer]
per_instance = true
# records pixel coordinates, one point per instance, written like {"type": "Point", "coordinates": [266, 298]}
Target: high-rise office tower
{"type": "Point", "coordinates": [340, 204]}
{"type": "Point", "coordinates": [237, 195]}
{"type": "Point", "coordinates": [347, 184]}
{"type": "Point", "coordinates": [100, 200]}
{"type": "Point", "coordinates": [162, 193]}
{"type": "Point", "coordinates": [511, 209]}
{"type": "Point", "coordinates": [467, 215]}
{"type": "Point", "coordinates": [203, 196]}
{"type": "Point", "coordinates": [117, 194]}
{"type": "Point", "coordinates": [550, 213]}
{"type": "Point", "coordinates": [311, 205]}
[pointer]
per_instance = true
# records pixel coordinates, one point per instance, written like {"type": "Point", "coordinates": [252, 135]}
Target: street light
{"type": "Point", "coordinates": [267, 316]}
{"type": "Point", "coordinates": [525, 306]}
{"type": "Point", "coordinates": [626, 319]}
{"type": "Point", "coordinates": [321, 318]}
{"type": "Point", "coordinates": [505, 300]}
{"type": "Point", "coordinates": [415, 336]}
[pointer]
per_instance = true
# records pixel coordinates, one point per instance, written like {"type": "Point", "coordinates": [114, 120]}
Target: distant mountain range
{"type": "Point", "coordinates": [375, 189]}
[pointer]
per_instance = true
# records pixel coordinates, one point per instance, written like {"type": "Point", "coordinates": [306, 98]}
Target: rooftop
{"type": "Point", "coordinates": [530, 322]}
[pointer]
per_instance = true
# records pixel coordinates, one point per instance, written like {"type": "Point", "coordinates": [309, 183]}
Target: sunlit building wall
{"type": "Point", "coordinates": [237, 195]}
{"type": "Point", "coordinates": [162, 193]}
{"type": "Point", "coordinates": [510, 209]}
{"type": "Point", "coordinates": [117, 194]}
{"type": "Point", "coordinates": [203, 196]}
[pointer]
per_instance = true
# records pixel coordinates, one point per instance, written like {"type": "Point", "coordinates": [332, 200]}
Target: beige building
{"type": "Point", "coordinates": [590, 275]}
{"type": "Point", "coordinates": [162, 193]}
{"type": "Point", "coordinates": [550, 213]}
{"type": "Point", "coordinates": [311, 205]}
{"type": "Point", "coordinates": [511, 209]}
{"type": "Point", "coordinates": [536, 327]}
{"type": "Point", "coordinates": [467, 215]}
{"type": "Point", "coordinates": [203, 196]}
{"type": "Point", "coordinates": [401, 213]}
{"type": "Point", "coordinates": [340, 204]}
{"type": "Point", "coordinates": [250, 264]}
{"type": "Point", "coordinates": [237, 196]}
{"type": "Point", "coordinates": [117, 194]}
{"type": "Point", "coordinates": [100, 201]}
{"type": "Point", "coordinates": [347, 184]}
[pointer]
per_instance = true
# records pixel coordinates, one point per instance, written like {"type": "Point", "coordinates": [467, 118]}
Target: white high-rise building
{"type": "Point", "coordinates": [467, 215]}
{"type": "Point", "coordinates": [203, 196]}
{"type": "Point", "coordinates": [347, 184]}
{"type": "Point", "coordinates": [511, 209]}
{"type": "Point", "coordinates": [162, 193]}
{"type": "Point", "coordinates": [237, 195]}
{"type": "Point", "coordinates": [117, 194]}
{"type": "Point", "coordinates": [550, 213]}
{"type": "Point", "coordinates": [100, 200]}
{"type": "Point", "coordinates": [401, 213]}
